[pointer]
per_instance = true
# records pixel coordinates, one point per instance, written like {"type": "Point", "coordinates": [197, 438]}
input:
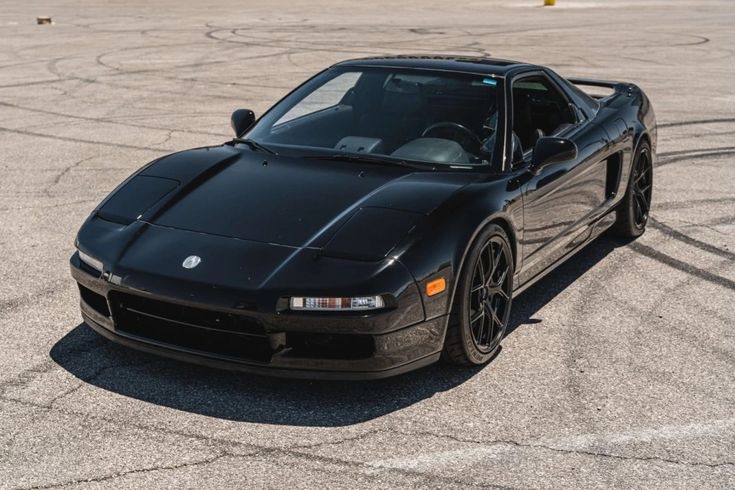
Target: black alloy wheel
{"type": "Point", "coordinates": [635, 207]}
{"type": "Point", "coordinates": [490, 295]}
{"type": "Point", "coordinates": [483, 300]}
{"type": "Point", "coordinates": [642, 187]}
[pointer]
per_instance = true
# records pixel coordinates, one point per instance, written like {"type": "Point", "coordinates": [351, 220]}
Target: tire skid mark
{"type": "Point", "coordinates": [575, 335]}
{"type": "Point", "coordinates": [457, 32]}
{"type": "Point", "coordinates": [682, 237]}
{"type": "Point", "coordinates": [694, 151]}
{"type": "Point", "coordinates": [703, 154]}
{"type": "Point", "coordinates": [36, 82]}
{"type": "Point", "coordinates": [679, 265]}
{"type": "Point", "coordinates": [694, 203]}
{"type": "Point", "coordinates": [667, 158]}
{"type": "Point", "coordinates": [260, 39]}
{"type": "Point", "coordinates": [122, 72]}
{"type": "Point", "coordinates": [154, 72]}
{"type": "Point", "coordinates": [23, 63]}
{"type": "Point", "coordinates": [724, 220]}
{"type": "Point", "coordinates": [695, 122]}
{"type": "Point", "coordinates": [412, 41]}
{"type": "Point", "coordinates": [210, 34]}
{"type": "Point", "coordinates": [99, 59]}
{"type": "Point", "coordinates": [30, 374]}
{"type": "Point", "coordinates": [160, 73]}
{"type": "Point", "coordinates": [700, 40]}
{"type": "Point", "coordinates": [693, 340]}
{"type": "Point", "coordinates": [695, 136]}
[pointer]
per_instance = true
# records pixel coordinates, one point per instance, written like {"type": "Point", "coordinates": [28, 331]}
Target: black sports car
{"type": "Point", "coordinates": [379, 217]}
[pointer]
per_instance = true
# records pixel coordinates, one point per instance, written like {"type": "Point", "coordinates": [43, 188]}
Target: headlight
{"type": "Point", "coordinates": [90, 261]}
{"type": "Point", "coordinates": [337, 304]}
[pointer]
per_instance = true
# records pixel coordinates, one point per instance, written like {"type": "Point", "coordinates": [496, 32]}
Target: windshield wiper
{"type": "Point", "coordinates": [352, 157]}
{"type": "Point", "coordinates": [254, 145]}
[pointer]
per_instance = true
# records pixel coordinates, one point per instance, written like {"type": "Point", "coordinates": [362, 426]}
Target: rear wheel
{"type": "Point", "coordinates": [482, 302]}
{"type": "Point", "coordinates": [633, 211]}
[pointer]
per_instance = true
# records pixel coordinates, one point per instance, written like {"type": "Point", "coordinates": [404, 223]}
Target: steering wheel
{"type": "Point", "coordinates": [461, 134]}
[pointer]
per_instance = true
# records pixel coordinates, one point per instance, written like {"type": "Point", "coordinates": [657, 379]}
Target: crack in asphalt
{"type": "Point", "coordinates": [227, 454]}
{"type": "Point", "coordinates": [50, 206]}
{"type": "Point", "coordinates": [511, 442]}
{"type": "Point", "coordinates": [63, 172]}
{"type": "Point", "coordinates": [112, 476]}
{"type": "Point", "coordinates": [255, 452]}
{"type": "Point", "coordinates": [85, 141]}
{"type": "Point", "coordinates": [301, 450]}
{"type": "Point", "coordinates": [86, 380]}
{"type": "Point", "coordinates": [107, 120]}
{"type": "Point", "coordinates": [124, 424]}
{"type": "Point", "coordinates": [33, 373]}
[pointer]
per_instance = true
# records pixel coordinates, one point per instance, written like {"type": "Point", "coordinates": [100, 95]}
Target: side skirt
{"type": "Point", "coordinates": [598, 227]}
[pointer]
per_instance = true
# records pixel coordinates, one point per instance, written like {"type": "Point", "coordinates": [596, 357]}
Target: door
{"type": "Point", "coordinates": [558, 201]}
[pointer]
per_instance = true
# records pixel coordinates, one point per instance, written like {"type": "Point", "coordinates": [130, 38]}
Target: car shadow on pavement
{"type": "Point", "coordinates": [537, 296]}
{"type": "Point", "coordinates": [248, 398]}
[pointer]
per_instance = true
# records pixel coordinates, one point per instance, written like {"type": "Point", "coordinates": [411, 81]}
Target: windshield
{"type": "Point", "coordinates": [392, 114]}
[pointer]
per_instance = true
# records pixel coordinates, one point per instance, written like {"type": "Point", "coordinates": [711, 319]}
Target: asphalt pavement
{"type": "Point", "coordinates": [618, 371]}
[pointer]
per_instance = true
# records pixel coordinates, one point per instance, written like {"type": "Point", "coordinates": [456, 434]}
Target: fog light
{"type": "Point", "coordinates": [90, 261]}
{"type": "Point", "coordinates": [337, 304]}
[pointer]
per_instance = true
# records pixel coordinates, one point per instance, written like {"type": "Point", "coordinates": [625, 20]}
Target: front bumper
{"type": "Point", "coordinates": [279, 345]}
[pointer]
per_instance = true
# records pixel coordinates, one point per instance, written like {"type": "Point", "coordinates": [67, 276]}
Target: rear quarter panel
{"type": "Point", "coordinates": [628, 118]}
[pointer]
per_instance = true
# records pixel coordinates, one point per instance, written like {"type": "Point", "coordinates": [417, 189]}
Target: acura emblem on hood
{"type": "Point", "coordinates": [191, 261]}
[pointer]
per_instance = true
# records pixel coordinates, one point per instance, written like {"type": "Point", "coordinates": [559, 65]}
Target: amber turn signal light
{"type": "Point", "coordinates": [436, 286]}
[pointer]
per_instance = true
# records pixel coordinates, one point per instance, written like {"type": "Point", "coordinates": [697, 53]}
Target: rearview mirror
{"type": "Point", "coordinates": [550, 150]}
{"type": "Point", "coordinates": [241, 121]}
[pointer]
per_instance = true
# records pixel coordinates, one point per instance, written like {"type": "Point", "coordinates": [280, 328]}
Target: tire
{"type": "Point", "coordinates": [481, 308]}
{"type": "Point", "coordinates": [633, 211]}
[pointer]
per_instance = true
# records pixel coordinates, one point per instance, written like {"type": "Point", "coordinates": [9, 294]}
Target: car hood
{"type": "Point", "coordinates": [293, 202]}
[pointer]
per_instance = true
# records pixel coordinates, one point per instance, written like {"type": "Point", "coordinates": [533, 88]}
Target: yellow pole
{"type": "Point", "coordinates": [549, 3]}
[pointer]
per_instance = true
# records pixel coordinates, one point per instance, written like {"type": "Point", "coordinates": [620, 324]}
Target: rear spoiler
{"type": "Point", "coordinates": [617, 87]}
{"type": "Point", "coordinates": [593, 83]}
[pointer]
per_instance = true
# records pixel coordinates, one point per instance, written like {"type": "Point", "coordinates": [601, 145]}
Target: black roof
{"type": "Point", "coordinates": [458, 63]}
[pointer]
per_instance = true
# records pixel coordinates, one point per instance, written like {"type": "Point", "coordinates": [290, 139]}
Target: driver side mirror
{"type": "Point", "coordinates": [550, 150]}
{"type": "Point", "coordinates": [241, 121]}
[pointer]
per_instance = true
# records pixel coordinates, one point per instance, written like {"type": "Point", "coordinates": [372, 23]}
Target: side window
{"type": "Point", "coordinates": [326, 96]}
{"type": "Point", "coordinates": [539, 109]}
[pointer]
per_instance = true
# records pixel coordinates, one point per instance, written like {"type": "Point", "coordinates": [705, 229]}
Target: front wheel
{"type": "Point", "coordinates": [633, 210]}
{"type": "Point", "coordinates": [481, 309]}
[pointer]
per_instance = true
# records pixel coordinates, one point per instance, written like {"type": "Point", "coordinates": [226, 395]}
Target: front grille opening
{"type": "Point", "coordinates": [198, 330]}
{"type": "Point", "coordinates": [188, 315]}
{"type": "Point", "coordinates": [95, 301]}
{"type": "Point", "coordinates": [328, 346]}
